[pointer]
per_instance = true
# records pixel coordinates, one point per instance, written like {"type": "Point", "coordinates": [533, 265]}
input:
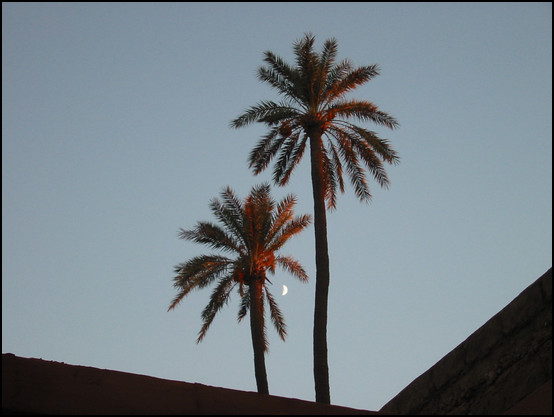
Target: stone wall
{"type": "Point", "coordinates": [498, 366]}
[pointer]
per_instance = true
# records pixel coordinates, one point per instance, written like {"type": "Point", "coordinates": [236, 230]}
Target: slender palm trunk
{"type": "Point", "coordinates": [321, 367]}
{"type": "Point", "coordinates": [257, 331]}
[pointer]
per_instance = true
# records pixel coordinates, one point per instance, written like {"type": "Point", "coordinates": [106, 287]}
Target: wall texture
{"type": "Point", "coordinates": [505, 361]}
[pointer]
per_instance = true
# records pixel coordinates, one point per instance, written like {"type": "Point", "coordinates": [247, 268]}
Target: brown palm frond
{"type": "Point", "coordinates": [291, 265]}
{"type": "Point", "coordinates": [279, 75]}
{"type": "Point", "coordinates": [198, 272]}
{"type": "Point", "coordinates": [267, 112]}
{"type": "Point", "coordinates": [267, 147]}
{"type": "Point", "coordinates": [292, 228]}
{"type": "Point", "coordinates": [372, 162]}
{"type": "Point", "coordinates": [326, 62]}
{"type": "Point", "coordinates": [293, 161]}
{"type": "Point", "coordinates": [277, 317]}
{"type": "Point", "coordinates": [381, 146]}
{"type": "Point", "coordinates": [336, 167]}
{"type": "Point", "coordinates": [330, 179]}
{"type": "Point", "coordinates": [244, 306]}
{"type": "Point", "coordinates": [353, 168]}
{"type": "Point", "coordinates": [285, 160]}
{"type": "Point", "coordinates": [229, 213]}
{"type": "Point", "coordinates": [350, 80]}
{"type": "Point", "coordinates": [218, 299]}
{"type": "Point", "coordinates": [283, 213]}
{"type": "Point", "coordinates": [212, 235]}
{"type": "Point", "coordinates": [364, 111]}
{"type": "Point", "coordinates": [334, 76]}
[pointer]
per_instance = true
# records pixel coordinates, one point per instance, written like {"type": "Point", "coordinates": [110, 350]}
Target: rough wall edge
{"type": "Point", "coordinates": [542, 285]}
{"type": "Point", "coordinates": [36, 386]}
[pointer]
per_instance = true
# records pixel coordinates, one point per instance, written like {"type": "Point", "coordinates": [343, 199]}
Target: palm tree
{"type": "Point", "coordinates": [314, 108]}
{"type": "Point", "coordinates": [252, 231]}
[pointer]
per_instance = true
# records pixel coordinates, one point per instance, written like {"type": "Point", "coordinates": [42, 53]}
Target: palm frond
{"type": "Point", "coordinates": [364, 111]}
{"type": "Point", "coordinates": [285, 160]}
{"type": "Point", "coordinates": [199, 269]}
{"type": "Point", "coordinates": [304, 55]}
{"type": "Point", "coordinates": [276, 80]}
{"type": "Point", "coordinates": [372, 162]}
{"type": "Point", "coordinates": [218, 299]}
{"type": "Point", "coordinates": [212, 235]}
{"type": "Point", "coordinates": [307, 62]}
{"type": "Point", "coordinates": [198, 272]}
{"type": "Point", "coordinates": [334, 75]}
{"type": "Point", "coordinates": [276, 316]}
{"type": "Point", "coordinates": [350, 81]}
{"type": "Point", "coordinates": [229, 212]}
{"type": "Point", "coordinates": [280, 76]}
{"type": "Point", "coordinates": [262, 154]}
{"type": "Point", "coordinates": [336, 166]}
{"type": "Point", "coordinates": [267, 112]}
{"type": "Point", "coordinates": [291, 265]}
{"type": "Point", "coordinates": [293, 160]}
{"type": "Point", "coordinates": [254, 113]}
{"type": "Point", "coordinates": [285, 112]}
{"type": "Point", "coordinates": [290, 229]}
{"type": "Point", "coordinates": [381, 146]}
{"type": "Point", "coordinates": [244, 305]}
{"type": "Point", "coordinates": [328, 57]}
{"type": "Point", "coordinates": [280, 66]}
{"type": "Point", "coordinates": [329, 180]}
{"type": "Point", "coordinates": [353, 168]}
{"type": "Point", "coordinates": [283, 213]}
{"type": "Point", "coordinates": [260, 205]}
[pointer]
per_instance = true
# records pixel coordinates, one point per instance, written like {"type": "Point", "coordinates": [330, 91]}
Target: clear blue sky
{"type": "Point", "coordinates": [115, 133]}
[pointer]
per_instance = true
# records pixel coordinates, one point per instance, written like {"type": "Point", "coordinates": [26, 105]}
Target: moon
{"type": "Point", "coordinates": [285, 290]}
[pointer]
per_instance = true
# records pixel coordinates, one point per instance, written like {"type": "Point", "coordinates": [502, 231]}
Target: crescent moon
{"type": "Point", "coordinates": [285, 290]}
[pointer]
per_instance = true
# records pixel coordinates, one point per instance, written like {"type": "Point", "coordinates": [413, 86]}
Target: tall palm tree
{"type": "Point", "coordinates": [252, 231]}
{"type": "Point", "coordinates": [314, 109]}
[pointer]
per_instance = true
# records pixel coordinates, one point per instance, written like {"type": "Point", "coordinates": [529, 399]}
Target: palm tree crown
{"type": "Point", "coordinates": [313, 102]}
{"type": "Point", "coordinates": [252, 232]}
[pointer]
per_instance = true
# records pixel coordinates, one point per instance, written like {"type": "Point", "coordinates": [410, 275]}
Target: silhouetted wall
{"type": "Point", "coordinates": [35, 386]}
{"type": "Point", "coordinates": [503, 363]}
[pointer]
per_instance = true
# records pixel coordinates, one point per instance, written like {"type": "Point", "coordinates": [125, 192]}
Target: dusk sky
{"type": "Point", "coordinates": [115, 134]}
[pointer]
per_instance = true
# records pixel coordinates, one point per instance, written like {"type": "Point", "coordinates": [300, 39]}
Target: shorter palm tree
{"type": "Point", "coordinates": [252, 231]}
